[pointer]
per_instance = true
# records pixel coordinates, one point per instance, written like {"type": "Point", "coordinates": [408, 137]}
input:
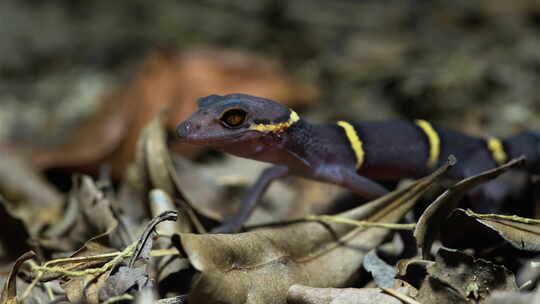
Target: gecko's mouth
{"type": "Point", "coordinates": [219, 140]}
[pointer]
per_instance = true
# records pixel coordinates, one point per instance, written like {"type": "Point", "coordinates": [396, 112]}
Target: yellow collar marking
{"type": "Point", "coordinates": [355, 142]}
{"type": "Point", "coordinates": [496, 148]}
{"type": "Point", "coordinates": [434, 141]}
{"type": "Point", "coordinates": [278, 126]}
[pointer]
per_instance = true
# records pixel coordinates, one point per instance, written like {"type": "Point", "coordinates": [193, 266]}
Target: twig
{"type": "Point", "coordinates": [119, 298]}
{"type": "Point", "coordinates": [97, 271]}
{"type": "Point", "coordinates": [337, 219]}
{"type": "Point", "coordinates": [174, 300]}
{"type": "Point", "coordinates": [400, 296]}
{"type": "Point", "coordinates": [513, 218]}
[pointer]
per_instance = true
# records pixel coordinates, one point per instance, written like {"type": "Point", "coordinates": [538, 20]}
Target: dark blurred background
{"type": "Point", "coordinates": [471, 65]}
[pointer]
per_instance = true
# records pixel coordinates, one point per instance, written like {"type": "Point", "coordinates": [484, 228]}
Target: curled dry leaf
{"type": "Point", "coordinates": [522, 233]}
{"type": "Point", "coordinates": [28, 196]}
{"type": "Point", "coordinates": [455, 278]}
{"type": "Point", "coordinates": [91, 218]}
{"type": "Point", "coordinates": [9, 292]}
{"type": "Point", "coordinates": [260, 266]}
{"type": "Point", "coordinates": [299, 294]}
{"type": "Point", "coordinates": [430, 222]}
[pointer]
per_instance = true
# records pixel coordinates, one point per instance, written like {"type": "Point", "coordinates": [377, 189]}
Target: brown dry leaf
{"type": "Point", "coordinates": [9, 292]}
{"type": "Point", "coordinates": [522, 233]}
{"type": "Point", "coordinates": [299, 294]}
{"type": "Point", "coordinates": [90, 218]}
{"type": "Point", "coordinates": [28, 196]}
{"type": "Point", "coordinates": [260, 266]}
{"type": "Point", "coordinates": [175, 81]}
{"type": "Point", "coordinates": [85, 289]}
{"type": "Point", "coordinates": [435, 215]}
{"type": "Point", "coordinates": [459, 278]}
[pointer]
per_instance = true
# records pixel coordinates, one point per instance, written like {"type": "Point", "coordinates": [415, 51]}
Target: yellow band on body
{"type": "Point", "coordinates": [434, 142]}
{"type": "Point", "coordinates": [496, 148]}
{"type": "Point", "coordinates": [277, 126]}
{"type": "Point", "coordinates": [354, 140]}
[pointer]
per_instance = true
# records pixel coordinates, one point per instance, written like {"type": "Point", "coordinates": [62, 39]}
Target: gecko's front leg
{"type": "Point", "coordinates": [257, 190]}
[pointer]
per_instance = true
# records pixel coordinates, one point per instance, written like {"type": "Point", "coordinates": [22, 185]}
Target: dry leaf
{"type": "Point", "coordinates": [260, 266]}
{"type": "Point", "coordinates": [85, 289]}
{"type": "Point", "coordinates": [28, 196]}
{"type": "Point", "coordinates": [123, 280]}
{"type": "Point", "coordinates": [459, 278]}
{"type": "Point", "coordinates": [9, 292]}
{"type": "Point", "coordinates": [299, 294]}
{"type": "Point", "coordinates": [383, 274]}
{"type": "Point", "coordinates": [430, 222]}
{"type": "Point", "coordinates": [514, 297]}
{"type": "Point", "coordinates": [522, 233]}
{"type": "Point", "coordinates": [89, 217]}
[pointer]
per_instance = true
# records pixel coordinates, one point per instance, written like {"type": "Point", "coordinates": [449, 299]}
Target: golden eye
{"type": "Point", "coordinates": [233, 118]}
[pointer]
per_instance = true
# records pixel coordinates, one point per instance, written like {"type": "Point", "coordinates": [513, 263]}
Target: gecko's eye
{"type": "Point", "coordinates": [233, 118]}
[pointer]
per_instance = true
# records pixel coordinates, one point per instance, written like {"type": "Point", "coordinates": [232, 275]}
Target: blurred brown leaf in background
{"type": "Point", "coordinates": [174, 81]}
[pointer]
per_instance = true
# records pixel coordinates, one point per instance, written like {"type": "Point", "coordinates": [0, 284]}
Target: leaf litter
{"type": "Point", "coordinates": [99, 244]}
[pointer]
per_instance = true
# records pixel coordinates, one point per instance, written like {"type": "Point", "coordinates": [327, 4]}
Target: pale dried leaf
{"type": "Point", "coordinates": [512, 297]}
{"type": "Point", "coordinates": [299, 294]}
{"type": "Point", "coordinates": [383, 274]}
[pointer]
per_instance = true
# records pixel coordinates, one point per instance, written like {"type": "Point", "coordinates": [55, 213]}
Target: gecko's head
{"type": "Point", "coordinates": [230, 119]}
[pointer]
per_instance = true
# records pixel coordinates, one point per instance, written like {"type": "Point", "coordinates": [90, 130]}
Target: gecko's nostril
{"type": "Point", "coordinates": [184, 129]}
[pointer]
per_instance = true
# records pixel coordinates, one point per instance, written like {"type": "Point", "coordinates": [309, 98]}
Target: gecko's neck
{"type": "Point", "coordinates": [299, 138]}
{"type": "Point", "coordinates": [314, 144]}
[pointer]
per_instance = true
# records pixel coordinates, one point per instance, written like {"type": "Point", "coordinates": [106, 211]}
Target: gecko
{"type": "Point", "coordinates": [350, 154]}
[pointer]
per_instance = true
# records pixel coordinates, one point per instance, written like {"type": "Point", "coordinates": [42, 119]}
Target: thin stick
{"type": "Point", "coordinates": [337, 219]}
{"type": "Point", "coordinates": [513, 218]}
{"type": "Point", "coordinates": [400, 296]}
